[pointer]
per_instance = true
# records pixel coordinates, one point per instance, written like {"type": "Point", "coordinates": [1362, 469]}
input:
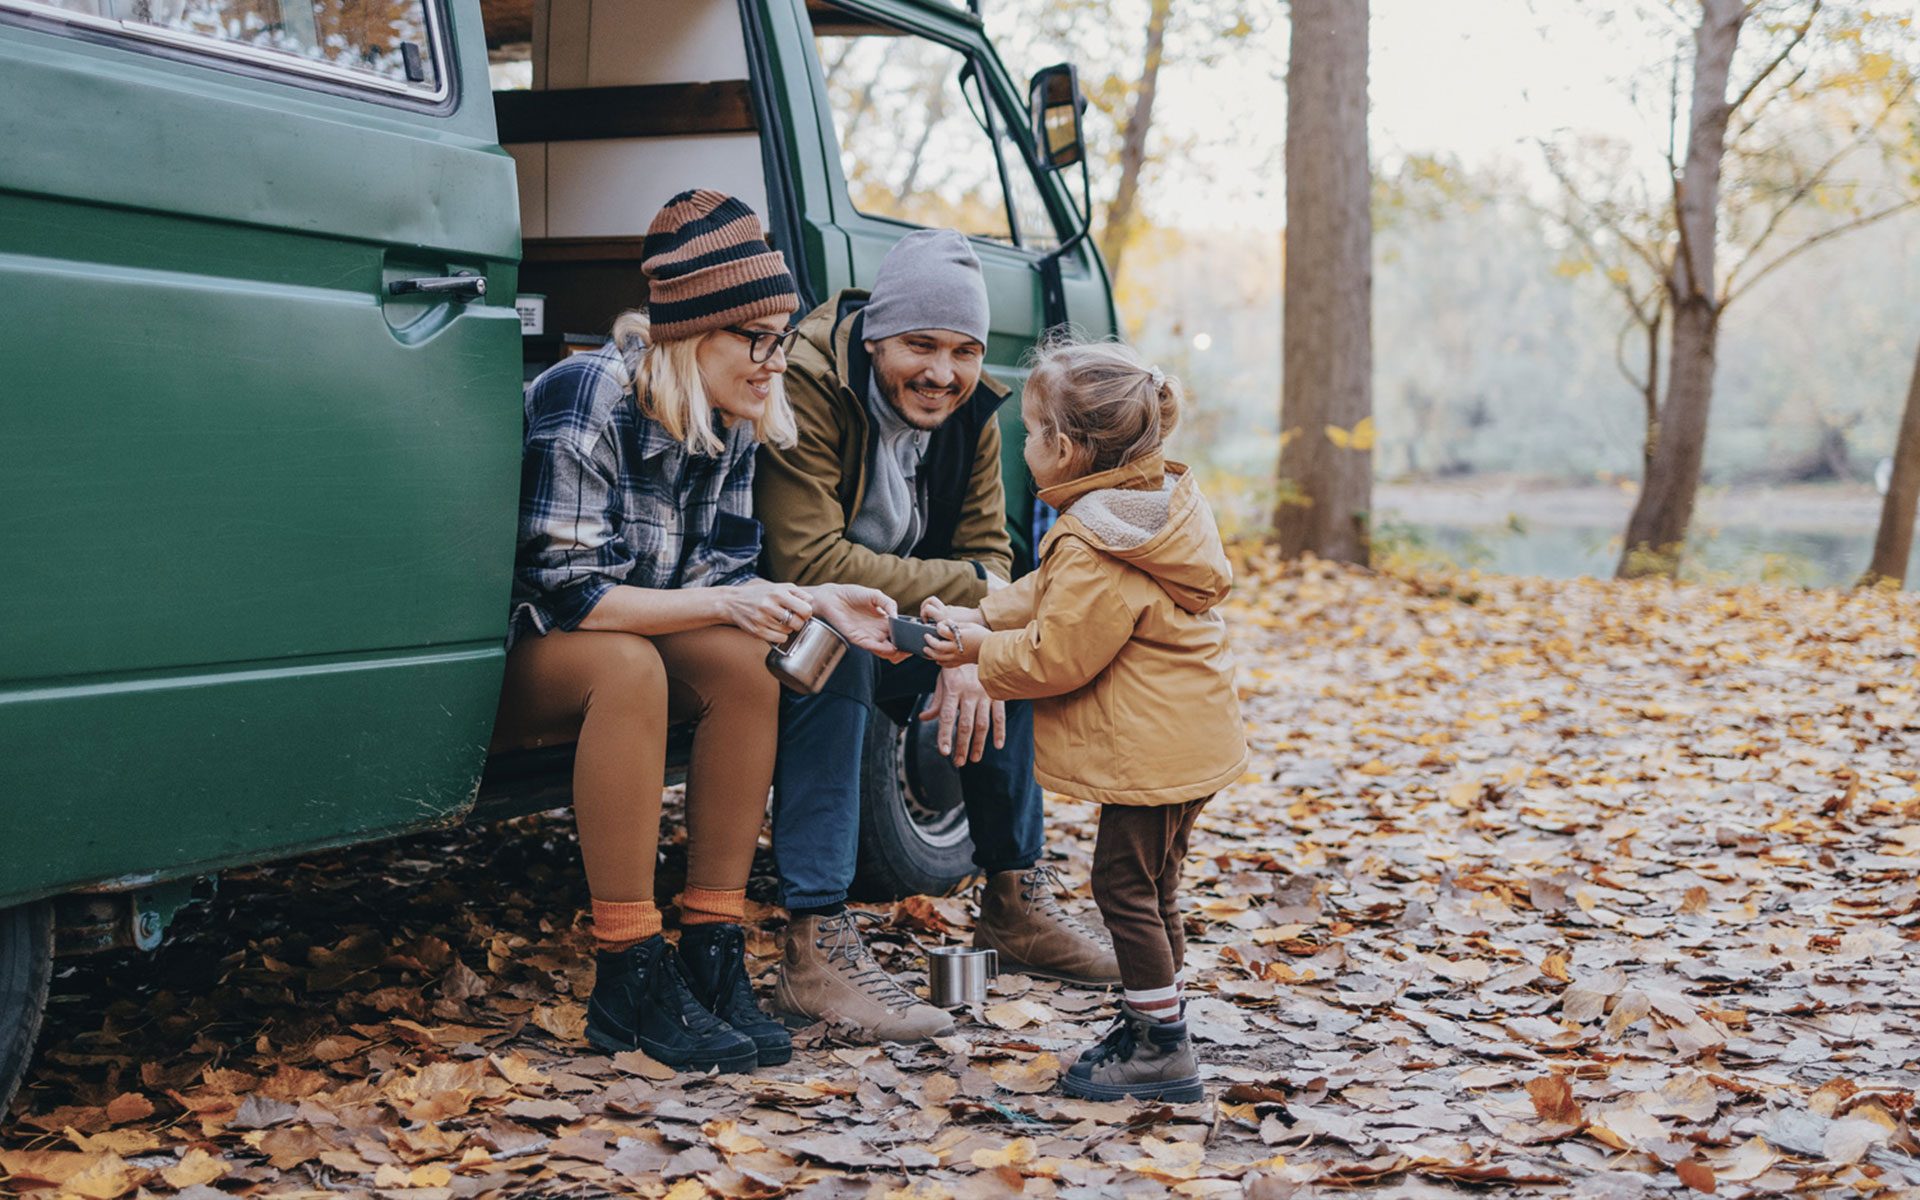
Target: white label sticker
{"type": "Point", "coordinates": [533, 314]}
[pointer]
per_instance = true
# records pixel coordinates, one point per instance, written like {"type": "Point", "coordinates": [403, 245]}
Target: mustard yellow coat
{"type": "Point", "coordinates": [1117, 640]}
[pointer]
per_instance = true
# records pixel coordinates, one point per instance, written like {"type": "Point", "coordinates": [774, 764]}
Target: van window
{"type": "Point", "coordinates": [908, 112]}
{"type": "Point", "coordinates": [386, 40]}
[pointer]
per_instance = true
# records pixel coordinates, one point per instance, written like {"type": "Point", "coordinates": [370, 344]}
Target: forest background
{"type": "Point", "coordinates": [1503, 134]}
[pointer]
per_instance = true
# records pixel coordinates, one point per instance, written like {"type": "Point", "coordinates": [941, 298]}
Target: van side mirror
{"type": "Point", "coordinates": [1056, 106]}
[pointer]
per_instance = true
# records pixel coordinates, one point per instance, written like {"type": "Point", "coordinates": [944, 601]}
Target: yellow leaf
{"type": "Point", "coordinates": [1038, 1074]}
{"type": "Point", "coordinates": [1339, 436]}
{"type": "Point", "coordinates": [1019, 1150]}
{"type": "Point", "coordinates": [1363, 434]}
{"type": "Point", "coordinates": [197, 1168]}
{"type": "Point", "coordinates": [429, 1176]}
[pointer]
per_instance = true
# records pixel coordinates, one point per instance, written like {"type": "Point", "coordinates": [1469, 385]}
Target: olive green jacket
{"type": "Point", "coordinates": [806, 495]}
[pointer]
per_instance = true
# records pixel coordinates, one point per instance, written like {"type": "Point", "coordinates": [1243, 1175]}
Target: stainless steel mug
{"type": "Point", "coordinates": [958, 975]}
{"type": "Point", "coordinates": [804, 660]}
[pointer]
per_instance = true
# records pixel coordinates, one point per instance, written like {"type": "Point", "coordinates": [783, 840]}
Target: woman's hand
{"type": "Point", "coordinates": [957, 643]}
{"type": "Point", "coordinates": [771, 612]}
{"type": "Point", "coordinates": [861, 615]}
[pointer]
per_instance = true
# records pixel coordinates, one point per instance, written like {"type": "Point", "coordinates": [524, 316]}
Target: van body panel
{"type": "Point", "coordinates": [259, 511]}
{"type": "Point", "coordinates": [179, 775]}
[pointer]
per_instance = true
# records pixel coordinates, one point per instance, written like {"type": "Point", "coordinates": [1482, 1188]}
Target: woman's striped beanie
{"type": "Point", "coordinates": [708, 265]}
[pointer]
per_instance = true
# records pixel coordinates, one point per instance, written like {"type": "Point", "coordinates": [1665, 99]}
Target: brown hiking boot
{"type": "Point", "coordinates": [1020, 918]}
{"type": "Point", "coordinates": [1140, 1059]}
{"type": "Point", "coordinates": [828, 974]}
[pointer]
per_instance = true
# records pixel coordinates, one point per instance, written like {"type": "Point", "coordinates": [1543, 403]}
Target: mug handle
{"type": "Point", "coordinates": [993, 964]}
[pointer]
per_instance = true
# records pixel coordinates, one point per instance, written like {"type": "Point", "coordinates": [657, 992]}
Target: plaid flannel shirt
{"type": "Point", "coordinates": [608, 496]}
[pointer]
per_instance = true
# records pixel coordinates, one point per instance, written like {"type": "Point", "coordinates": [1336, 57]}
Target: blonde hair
{"type": "Point", "coordinates": [666, 383]}
{"type": "Point", "coordinates": [1111, 404]}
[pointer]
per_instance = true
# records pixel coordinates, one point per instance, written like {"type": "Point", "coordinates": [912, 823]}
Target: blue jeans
{"type": "Point", "coordinates": [816, 781]}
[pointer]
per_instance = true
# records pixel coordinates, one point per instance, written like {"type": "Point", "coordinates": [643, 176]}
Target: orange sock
{"type": "Point", "coordinates": [623, 923]}
{"type": "Point", "coordinates": [705, 906]}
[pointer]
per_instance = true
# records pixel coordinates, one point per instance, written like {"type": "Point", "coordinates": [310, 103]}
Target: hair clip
{"type": "Point", "coordinates": [1158, 376]}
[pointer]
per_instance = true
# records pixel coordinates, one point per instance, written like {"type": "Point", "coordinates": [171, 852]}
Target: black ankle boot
{"type": "Point", "coordinates": [716, 959]}
{"type": "Point", "coordinates": [641, 1001]}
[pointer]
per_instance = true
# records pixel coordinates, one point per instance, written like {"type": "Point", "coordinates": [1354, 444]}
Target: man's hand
{"type": "Point", "coordinates": [860, 614]}
{"type": "Point", "coordinates": [966, 714]}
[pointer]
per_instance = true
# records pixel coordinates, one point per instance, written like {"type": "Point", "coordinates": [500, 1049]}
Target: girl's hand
{"type": "Point", "coordinates": [957, 643]}
{"type": "Point", "coordinates": [860, 614]}
{"type": "Point", "coordinates": [771, 612]}
{"type": "Point", "coordinates": [937, 610]}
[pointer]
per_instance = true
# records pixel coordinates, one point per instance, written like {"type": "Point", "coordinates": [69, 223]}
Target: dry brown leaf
{"type": "Point", "coordinates": [1035, 1075]}
{"type": "Point", "coordinates": [566, 1021]}
{"type": "Point", "coordinates": [1696, 1175]}
{"type": "Point", "coordinates": [196, 1168]}
{"type": "Point", "coordinates": [1553, 1100]}
{"type": "Point", "coordinates": [129, 1106]}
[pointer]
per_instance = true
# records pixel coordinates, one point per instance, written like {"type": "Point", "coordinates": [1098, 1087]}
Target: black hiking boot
{"type": "Point", "coordinates": [1139, 1058]}
{"type": "Point", "coordinates": [716, 960]}
{"type": "Point", "coordinates": [642, 1001]}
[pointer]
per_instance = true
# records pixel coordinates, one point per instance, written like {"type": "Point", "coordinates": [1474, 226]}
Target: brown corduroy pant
{"type": "Point", "coordinates": [616, 692]}
{"type": "Point", "coordinates": [1136, 882]}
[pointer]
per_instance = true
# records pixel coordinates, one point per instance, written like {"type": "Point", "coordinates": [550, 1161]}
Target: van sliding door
{"type": "Point", "coordinates": [259, 429]}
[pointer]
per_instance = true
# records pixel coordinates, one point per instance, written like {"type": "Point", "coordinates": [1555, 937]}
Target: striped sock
{"type": "Point", "coordinates": [708, 906]}
{"type": "Point", "coordinates": [618, 924]}
{"type": "Point", "coordinates": [1162, 1004]}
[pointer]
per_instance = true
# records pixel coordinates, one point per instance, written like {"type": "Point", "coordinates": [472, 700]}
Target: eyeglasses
{"type": "Point", "coordinates": [761, 342]}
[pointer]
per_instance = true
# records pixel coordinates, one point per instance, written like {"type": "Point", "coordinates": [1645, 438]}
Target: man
{"type": "Point", "coordinates": [895, 484]}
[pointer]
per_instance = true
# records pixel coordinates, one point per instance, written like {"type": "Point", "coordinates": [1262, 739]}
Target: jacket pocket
{"type": "Point", "coordinates": [736, 534]}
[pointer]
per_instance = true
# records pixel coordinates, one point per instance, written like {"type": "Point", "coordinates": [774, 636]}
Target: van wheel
{"type": "Point", "coordinates": [26, 967]}
{"type": "Point", "coordinates": [913, 825]}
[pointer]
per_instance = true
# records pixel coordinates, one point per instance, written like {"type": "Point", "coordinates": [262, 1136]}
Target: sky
{"type": "Point", "coordinates": [1478, 80]}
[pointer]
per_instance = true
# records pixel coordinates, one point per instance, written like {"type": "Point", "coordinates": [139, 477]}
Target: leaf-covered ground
{"type": "Point", "coordinates": [1559, 889]}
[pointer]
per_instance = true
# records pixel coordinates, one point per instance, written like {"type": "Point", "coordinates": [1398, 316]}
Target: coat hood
{"type": "Point", "coordinates": [1151, 515]}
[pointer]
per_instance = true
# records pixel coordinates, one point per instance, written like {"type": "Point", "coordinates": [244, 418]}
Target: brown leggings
{"type": "Point", "coordinates": [616, 692]}
{"type": "Point", "coordinates": [1136, 882]}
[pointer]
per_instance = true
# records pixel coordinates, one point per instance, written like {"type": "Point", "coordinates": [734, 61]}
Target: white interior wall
{"type": "Point", "coordinates": [613, 187]}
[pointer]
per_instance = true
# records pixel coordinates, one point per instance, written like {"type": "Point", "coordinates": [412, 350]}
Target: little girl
{"type": "Point", "coordinates": [1117, 638]}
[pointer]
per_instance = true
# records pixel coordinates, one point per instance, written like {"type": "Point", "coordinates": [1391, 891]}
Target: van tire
{"type": "Point", "coordinates": [26, 969]}
{"type": "Point", "coordinates": [913, 828]}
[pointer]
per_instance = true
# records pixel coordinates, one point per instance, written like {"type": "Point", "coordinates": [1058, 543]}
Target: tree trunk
{"type": "Point", "coordinates": [1133, 144]}
{"type": "Point", "coordinates": [1657, 531]}
{"type": "Point", "coordinates": [1893, 545]}
{"type": "Point", "coordinates": [1327, 339]}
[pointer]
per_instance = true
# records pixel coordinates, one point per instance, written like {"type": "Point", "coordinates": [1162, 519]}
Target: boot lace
{"type": "Point", "coordinates": [1118, 1044]}
{"type": "Point", "coordinates": [1039, 886]}
{"type": "Point", "coordinates": [840, 937]}
{"type": "Point", "coordinates": [675, 992]}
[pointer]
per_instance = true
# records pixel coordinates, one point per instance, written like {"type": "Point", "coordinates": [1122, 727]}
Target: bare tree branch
{"type": "Point", "coordinates": [1794, 43]}
{"type": "Point", "coordinates": [1808, 184]}
{"type": "Point", "coordinates": [1823, 236]}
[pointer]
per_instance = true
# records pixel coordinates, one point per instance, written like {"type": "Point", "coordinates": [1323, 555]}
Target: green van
{"type": "Point", "coordinates": [272, 274]}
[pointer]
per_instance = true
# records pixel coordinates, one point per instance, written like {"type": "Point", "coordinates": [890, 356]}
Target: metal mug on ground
{"type": "Point", "coordinates": [804, 660]}
{"type": "Point", "coordinates": [958, 975]}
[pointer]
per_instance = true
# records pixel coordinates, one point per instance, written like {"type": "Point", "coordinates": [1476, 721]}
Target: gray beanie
{"type": "Point", "coordinates": [929, 280]}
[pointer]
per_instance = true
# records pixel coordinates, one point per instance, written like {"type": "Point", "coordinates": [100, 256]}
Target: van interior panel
{"type": "Point", "coordinates": [646, 110]}
{"type": "Point", "coordinates": [629, 103]}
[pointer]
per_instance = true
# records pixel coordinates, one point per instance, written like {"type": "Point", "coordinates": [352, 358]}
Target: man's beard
{"type": "Point", "coordinates": [896, 396]}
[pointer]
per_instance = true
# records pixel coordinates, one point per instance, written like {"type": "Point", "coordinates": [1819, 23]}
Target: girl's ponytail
{"type": "Point", "coordinates": [1111, 404]}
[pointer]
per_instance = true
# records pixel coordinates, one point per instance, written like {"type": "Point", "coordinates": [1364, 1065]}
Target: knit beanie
{"type": "Point", "coordinates": [708, 265]}
{"type": "Point", "coordinates": [929, 280]}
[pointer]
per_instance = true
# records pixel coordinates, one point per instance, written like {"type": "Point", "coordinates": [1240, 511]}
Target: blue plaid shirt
{"type": "Point", "coordinates": [607, 496]}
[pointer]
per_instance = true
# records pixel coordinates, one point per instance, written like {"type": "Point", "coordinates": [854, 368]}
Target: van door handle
{"type": "Point", "coordinates": [468, 286]}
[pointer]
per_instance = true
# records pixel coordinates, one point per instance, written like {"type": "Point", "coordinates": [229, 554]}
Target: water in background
{"type": "Point", "coordinates": [1742, 554]}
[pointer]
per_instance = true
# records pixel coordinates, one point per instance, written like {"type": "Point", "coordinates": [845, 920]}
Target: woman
{"type": "Point", "coordinates": [635, 603]}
